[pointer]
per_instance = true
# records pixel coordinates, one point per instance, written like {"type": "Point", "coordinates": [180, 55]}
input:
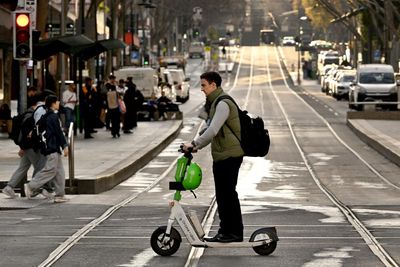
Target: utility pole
{"type": "Point", "coordinates": [80, 63]}
{"type": "Point", "coordinates": [64, 9]}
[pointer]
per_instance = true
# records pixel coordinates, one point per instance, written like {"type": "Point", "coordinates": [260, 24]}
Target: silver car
{"type": "Point", "coordinates": [342, 86]}
{"type": "Point", "coordinates": [374, 83]}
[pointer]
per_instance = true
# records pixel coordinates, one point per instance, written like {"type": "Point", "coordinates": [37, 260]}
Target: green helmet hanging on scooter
{"type": "Point", "coordinates": [193, 177]}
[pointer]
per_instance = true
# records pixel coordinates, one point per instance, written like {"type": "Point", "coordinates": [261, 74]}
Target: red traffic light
{"type": "Point", "coordinates": [22, 35]}
{"type": "Point", "coordinates": [22, 20]}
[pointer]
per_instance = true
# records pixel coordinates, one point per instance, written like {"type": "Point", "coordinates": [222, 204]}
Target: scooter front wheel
{"type": "Point", "coordinates": [164, 245]}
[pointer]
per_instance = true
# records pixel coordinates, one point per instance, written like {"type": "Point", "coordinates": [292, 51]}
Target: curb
{"type": "Point", "coordinates": [123, 170]}
{"type": "Point", "coordinates": [368, 137]}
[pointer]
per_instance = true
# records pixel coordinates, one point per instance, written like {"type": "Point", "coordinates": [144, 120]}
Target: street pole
{"type": "Point", "coordinates": [62, 55]}
{"type": "Point", "coordinates": [298, 63]}
{"type": "Point", "coordinates": [23, 98]}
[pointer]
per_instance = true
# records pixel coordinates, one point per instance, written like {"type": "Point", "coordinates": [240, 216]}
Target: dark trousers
{"type": "Point", "coordinates": [88, 120]}
{"type": "Point", "coordinates": [225, 177]}
{"type": "Point", "coordinates": [115, 117]}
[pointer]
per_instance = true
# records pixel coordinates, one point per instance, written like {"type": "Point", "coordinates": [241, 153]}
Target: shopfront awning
{"type": "Point", "coordinates": [77, 45]}
{"type": "Point", "coordinates": [99, 47]}
{"type": "Point", "coordinates": [65, 44]}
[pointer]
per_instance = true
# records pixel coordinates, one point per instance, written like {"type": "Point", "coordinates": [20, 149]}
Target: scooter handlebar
{"type": "Point", "coordinates": [182, 150]}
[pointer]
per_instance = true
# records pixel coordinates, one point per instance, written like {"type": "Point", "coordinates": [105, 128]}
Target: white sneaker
{"type": "Point", "coordinates": [28, 191]}
{"type": "Point", "coordinates": [47, 194]}
{"type": "Point", "coordinates": [8, 191]}
{"type": "Point", "coordinates": [60, 199]}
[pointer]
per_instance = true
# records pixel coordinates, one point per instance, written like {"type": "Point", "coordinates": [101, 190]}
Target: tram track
{"type": "Point", "coordinates": [368, 237]}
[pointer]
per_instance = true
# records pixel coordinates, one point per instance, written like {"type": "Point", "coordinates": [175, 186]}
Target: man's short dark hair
{"type": "Point", "coordinates": [111, 77]}
{"type": "Point", "coordinates": [40, 97]}
{"type": "Point", "coordinates": [212, 76]}
{"type": "Point", "coordinates": [50, 100]}
{"type": "Point", "coordinates": [32, 100]}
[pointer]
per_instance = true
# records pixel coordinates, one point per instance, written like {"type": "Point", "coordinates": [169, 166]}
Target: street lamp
{"type": "Point", "coordinates": [298, 40]}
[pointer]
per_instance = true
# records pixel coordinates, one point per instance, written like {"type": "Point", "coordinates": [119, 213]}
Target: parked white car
{"type": "Point", "coordinates": [342, 85]}
{"type": "Point", "coordinates": [375, 83]}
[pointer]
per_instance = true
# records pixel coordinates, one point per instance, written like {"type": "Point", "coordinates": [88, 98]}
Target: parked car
{"type": "Point", "coordinates": [373, 82]}
{"type": "Point", "coordinates": [288, 40]}
{"type": "Point", "coordinates": [332, 80]}
{"type": "Point", "coordinates": [180, 83]}
{"type": "Point", "coordinates": [328, 71]}
{"type": "Point", "coordinates": [342, 86]}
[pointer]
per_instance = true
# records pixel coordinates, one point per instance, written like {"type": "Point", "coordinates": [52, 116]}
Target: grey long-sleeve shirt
{"type": "Point", "coordinates": [220, 117]}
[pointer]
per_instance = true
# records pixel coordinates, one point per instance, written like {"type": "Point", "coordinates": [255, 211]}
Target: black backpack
{"type": "Point", "coordinates": [21, 126]}
{"type": "Point", "coordinates": [254, 138]}
{"type": "Point", "coordinates": [39, 137]}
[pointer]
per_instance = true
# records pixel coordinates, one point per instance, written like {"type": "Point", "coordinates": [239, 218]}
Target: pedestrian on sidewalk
{"type": "Point", "coordinates": [163, 103]}
{"type": "Point", "coordinates": [28, 154]}
{"type": "Point", "coordinates": [5, 118]}
{"type": "Point", "coordinates": [89, 107]}
{"type": "Point", "coordinates": [227, 157]}
{"type": "Point", "coordinates": [53, 170]}
{"type": "Point", "coordinates": [130, 120]}
{"type": "Point", "coordinates": [111, 82]}
{"type": "Point", "coordinates": [113, 109]}
{"type": "Point", "coordinates": [69, 100]}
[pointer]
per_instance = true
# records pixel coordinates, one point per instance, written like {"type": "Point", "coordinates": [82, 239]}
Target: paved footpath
{"type": "Point", "coordinates": [102, 162]}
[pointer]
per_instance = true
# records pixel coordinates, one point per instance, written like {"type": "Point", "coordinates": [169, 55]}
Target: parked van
{"type": "Point", "coordinates": [146, 79]}
{"type": "Point", "coordinates": [373, 82]}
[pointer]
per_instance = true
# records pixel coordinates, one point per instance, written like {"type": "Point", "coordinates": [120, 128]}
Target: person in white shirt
{"type": "Point", "coordinates": [69, 100]}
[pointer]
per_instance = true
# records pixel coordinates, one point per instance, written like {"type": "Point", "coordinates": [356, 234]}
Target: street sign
{"type": "Point", "coordinates": [55, 30]}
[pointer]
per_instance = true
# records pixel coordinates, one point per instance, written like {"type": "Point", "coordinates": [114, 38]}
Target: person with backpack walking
{"type": "Point", "coordinates": [29, 156]}
{"type": "Point", "coordinates": [227, 153]}
{"type": "Point", "coordinates": [55, 144]}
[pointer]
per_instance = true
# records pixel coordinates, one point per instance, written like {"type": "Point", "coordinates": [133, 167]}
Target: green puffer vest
{"type": "Point", "coordinates": [225, 144]}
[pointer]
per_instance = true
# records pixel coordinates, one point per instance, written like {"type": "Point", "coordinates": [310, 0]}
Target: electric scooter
{"type": "Point", "coordinates": [165, 240]}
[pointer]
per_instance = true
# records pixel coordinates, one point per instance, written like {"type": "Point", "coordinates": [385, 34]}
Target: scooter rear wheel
{"type": "Point", "coordinates": [265, 250]}
{"type": "Point", "coordinates": [165, 248]}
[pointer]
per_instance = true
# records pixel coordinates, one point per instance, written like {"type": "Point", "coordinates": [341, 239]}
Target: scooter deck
{"type": "Point", "coordinates": [247, 244]}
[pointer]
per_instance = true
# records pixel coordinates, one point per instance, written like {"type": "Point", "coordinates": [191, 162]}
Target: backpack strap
{"type": "Point", "coordinates": [230, 98]}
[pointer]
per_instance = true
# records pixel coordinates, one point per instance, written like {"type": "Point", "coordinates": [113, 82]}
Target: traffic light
{"type": "Point", "coordinates": [22, 35]}
{"type": "Point", "coordinates": [196, 32]}
{"type": "Point", "coordinates": [146, 60]}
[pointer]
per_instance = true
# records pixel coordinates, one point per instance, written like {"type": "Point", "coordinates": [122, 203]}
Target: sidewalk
{"type": "Point", "coordinates": [103, 162]}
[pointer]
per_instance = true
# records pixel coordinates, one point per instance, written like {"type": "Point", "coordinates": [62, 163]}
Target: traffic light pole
{"type": "Point", "coordinates": [23, 99]}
